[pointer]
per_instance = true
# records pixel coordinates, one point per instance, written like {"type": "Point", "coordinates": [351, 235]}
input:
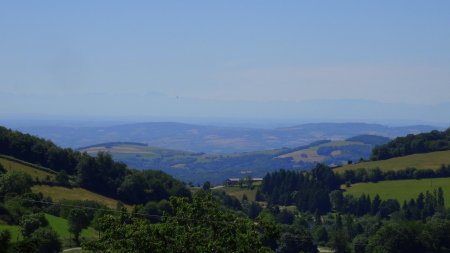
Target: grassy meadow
{"type": "Point", "coordinates": [14, 230]}
{"type": "Point", "coordinates": [34, 171]}
{"type": "Point", "coordinates": [60, 193]}
{"type": "Point", "coordinates": [60, 225]}
{"type": "Point", "coordinates": [239, 192]}
{"type": "Point", "coordinates": [401, 189]}
{"type": "Point", "coordinates": [431, 160]}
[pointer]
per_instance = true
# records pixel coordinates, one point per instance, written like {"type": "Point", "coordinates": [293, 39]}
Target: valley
{"type": "Point", "coordinates": [213, 139]}
{"type": "Point", "coordinates": [201, 167]}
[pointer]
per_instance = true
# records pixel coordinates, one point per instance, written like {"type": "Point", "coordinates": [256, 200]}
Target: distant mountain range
{"type": "Point", "coordinates": [214, 139]}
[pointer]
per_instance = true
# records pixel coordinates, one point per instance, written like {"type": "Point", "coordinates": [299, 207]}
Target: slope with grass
{"type": "Point", "coordinates": [55, 192]}
{"type": "Point", "coordinates": [431, 160]}
{"type": "Point", "coordinates": [238, 192]}
{"type": "Point", "coordinates": [63, 193]}
{"type": "Point", "coordinates": [14, 230]}
{"type": "Point", "coordinates": [401, 189]}
{"type": "Point", "coordinates": [12, 164]}
{"type": "Point", "coordinates": [60, 225]}
{"type": "Point", "coordinates": [333, 152]}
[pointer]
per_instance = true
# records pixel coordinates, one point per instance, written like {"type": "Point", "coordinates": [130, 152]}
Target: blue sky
{"type": "Point", "coordinates": [84, 58]}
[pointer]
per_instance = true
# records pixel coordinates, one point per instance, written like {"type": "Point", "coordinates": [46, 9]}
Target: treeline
{"type": "Point", "coordinates": [413, 144]}
{"type": "Point", "coordinates": [99, 174]}
{"type": "Point", "coordinates": [37, 151]}
{"type": "Point", "coordinates": [309, 191]}
{"type": "Point", "coordinates": [376, 174]}
{"type": "Point", "coordinates": [370, 234]}
{"type": "Point", "coordinates": [360, 225]}
{"type": "Point", "coordinates": [425, 205]}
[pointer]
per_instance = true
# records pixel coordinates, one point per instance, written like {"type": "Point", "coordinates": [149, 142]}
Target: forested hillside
{"type": "Point", "coordinates": [362, 222]}
{"type": "Point", "coordinates": [99, 174]}
{"type": "Point", "coordinates": [413, 144]}
{"type": "Point", "coordinates": [308, 190]}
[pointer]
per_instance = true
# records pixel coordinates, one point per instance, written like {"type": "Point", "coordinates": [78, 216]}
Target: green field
{"type": "Point", "coordinates": [401, 189]}
{"type": "Point", "coordinates": [60, 193]}
{"type": "Point", "coordinates": [60, 225]}
{"type": "Point", "coordinates": [419, 161]}
{"type": "Point", "coordinates": [12, 164]}
{"type": "Point", "coordinates": [14, 230]}
{"type": "Point", "coordinates": [239, 192]}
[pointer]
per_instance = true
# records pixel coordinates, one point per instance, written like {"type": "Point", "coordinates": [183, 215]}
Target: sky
{"type": "Point", "coordinates": [355, 60]}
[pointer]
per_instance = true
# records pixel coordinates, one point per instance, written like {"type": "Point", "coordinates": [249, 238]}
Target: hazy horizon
{"type": "Point", "coordinates": [384, 62]}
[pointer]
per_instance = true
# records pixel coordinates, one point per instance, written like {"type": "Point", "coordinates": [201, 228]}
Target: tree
{"type": "Point", "coordinates": [397, 237]}
{"type": "Point", "coordinates": [43, 240]}
{"type": "Point", "coordinates": [2, 169]}
{"type": "Point", "coordinates": [285, 217]}
{"type": "Point", "coordinates": [338, 240]}
{"type": "Point", "coordinates": [62, 178]}
{"type": "Point", "coordinates": [337, 200]}
{"type": "Point", "coordinates": [435, 235]}
{"type": "Point", "coordinates": [206, 186]}
{"type": "Point", "coordinates": [5, 241]}
{"type": "Point", "coordinates": [338, 237]}
{"type": "Point", "coordinates": [298, 242]}
{"type": "Point", "coordinates": [132, 190]}
{"type": "Point", "coordinates": [78, 220]}
{"type": "Point", "coordinates": [320, 234]}
{"type": "Point", "coordinates": [359, 244]}
{"type": "Point", "coordinates": [197, 226]}
{"type": "Point", "coordinates": [258, 195]}
{"type": "Point", "coordinates": [101, 174]}
{"type": "Point", "coordinates": [440, 200]}
{"type": "Point", "coordinates": [152, 210]}
{"type": "Point", "coordinates": [31, 222]}
{"type": "Point", "coordinates": [389, 206]}
{"type": "Point", "coordinates": [253, 210]}
{"type": "Point", "coordinates": [47, 241]}
{"type": "Point", "coordinates": [376, 204]}
{"type": "Point", "coordinates": [269, 231]}
{"type": "Point", "coordinates": [15, 183]}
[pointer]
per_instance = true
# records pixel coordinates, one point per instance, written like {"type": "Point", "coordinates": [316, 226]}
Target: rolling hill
{"type": "Point", "coordinates": [35, 171]}
{"type": "Point", "coordinates": [332, 153]}
{"type": "Point", "coordinates": [431, 160]}
{"type": "Point", "coordinates": [63, 193]}
{"type": "Point", "coordinates": [200, 167]}
{"type": "Point", "coordinates": [55, 192]}
{"type": "Point", "coordinates": [214, 139]}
